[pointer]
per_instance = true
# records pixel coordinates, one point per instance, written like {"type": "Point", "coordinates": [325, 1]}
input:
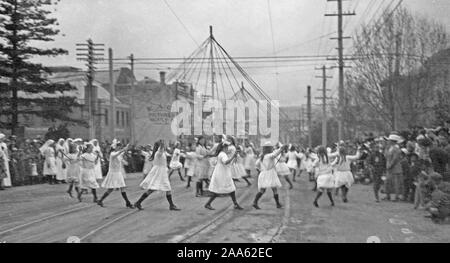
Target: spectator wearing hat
{"type": "Point", "coordinates": [439, 206]}
{"type": "Point", "coordinates": [377, 164]}
{"type": "Point", "coordinates": [393, 167]}
{"type": "Point", "coordinates": [4, 148]}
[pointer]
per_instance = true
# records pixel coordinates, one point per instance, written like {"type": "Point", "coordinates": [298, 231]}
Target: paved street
{"type": "Point", "coordinates": [44, 213]}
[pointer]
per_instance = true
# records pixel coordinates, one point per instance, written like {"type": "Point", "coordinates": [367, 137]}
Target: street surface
{"type": "Point", "coordinates": [45, 213]}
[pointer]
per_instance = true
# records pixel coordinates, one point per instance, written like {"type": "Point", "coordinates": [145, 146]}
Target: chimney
{"type": "Point", "coordinates": [162, 77]}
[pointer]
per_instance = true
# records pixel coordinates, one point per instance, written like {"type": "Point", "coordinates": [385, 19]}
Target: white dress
{"type": "Point", "coordinates": [309, 162]}
{"type": "Point", "coordinates": [50, 162]}
{"type": "Point", "coordinates": [189, 163]}
{"type": "Point", "coordinates": [221, 179]}
{"type": "Point", "coordinates": [115, 177]}
{"type": "Point", "coordinates": [61, 172]}
{"type": "Point", "coordinates": [237, 168]}
{"type": "Point", "coordinates": [324, 173]}
{"type": "Point", "coordinates": [268, 178]}
{"type": "Point", "coordinates": [250, 159]}
{"type": "Point", "coordinates": [202, 164]}
{"type": "Point", "coordinates": [73, 168]}
{"type": "Point", "coordinates": [158, 177]}
{"type": "Point", "coordinates": [343, 175]}
{"type": "Point", "coordinates": [88, 179]}
{"type": "Point", "coordinates": [147, 162]}
{"type": "Point", "coordinates": [281, 166]}
{"type": "Point", "coordinates": [292, 159]}
{"type": "Point", "coordinates": [175, 161]}
{"type": "Point", "coordinates": [98, 166]}
{"type": "Point", "coordinates": [7, 181]}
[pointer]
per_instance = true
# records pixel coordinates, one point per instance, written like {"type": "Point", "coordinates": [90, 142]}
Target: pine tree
{"type": "Point", "coordinates": [24, 89]}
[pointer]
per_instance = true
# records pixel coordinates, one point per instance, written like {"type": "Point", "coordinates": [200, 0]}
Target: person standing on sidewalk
{"type": "Point", "coordinates": [377, 163]}
{"type": "Point", "coordinates": [394, 168]}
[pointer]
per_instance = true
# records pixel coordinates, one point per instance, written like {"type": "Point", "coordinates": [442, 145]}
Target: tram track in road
{"type": "Point", "coordinates": [100, 227]}
{"type": "Point", "coordinates": [226, 213]}
{"type": "Point", "coordinates": [59, 214]}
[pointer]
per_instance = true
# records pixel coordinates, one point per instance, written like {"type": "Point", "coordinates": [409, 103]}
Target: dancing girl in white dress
{"type": "Point", "coordinates": [268, 178]}
{"type": "Point", "coordinates": [115, 179]}
{"type": "Point", "coordinates": [158, 178]}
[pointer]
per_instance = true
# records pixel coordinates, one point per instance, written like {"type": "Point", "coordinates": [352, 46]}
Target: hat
{"type": "Point", "coordinates": [78, 140]}
{"type": "Point", "coordinates": [267, 144]}
{"type": "Point", "coordinates": [2, 136]}
{"type": "Point", "coordinates": [395, 138]}
{"type": "Point", "coordinates": [404, 150]}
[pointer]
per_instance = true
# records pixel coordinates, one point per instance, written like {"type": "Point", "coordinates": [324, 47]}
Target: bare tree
{"type": "Point", "coordinates": [390, 73]}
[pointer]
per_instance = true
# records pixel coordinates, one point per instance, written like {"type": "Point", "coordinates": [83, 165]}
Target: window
{"type": "Point", "coordinates": [118, 118]}
{"type": "Point", "coordinates": [127, 114]}
{"type": "Point", "coordinates": [106, 117]}
{"type": "Point", "coordinates": [123, 119]}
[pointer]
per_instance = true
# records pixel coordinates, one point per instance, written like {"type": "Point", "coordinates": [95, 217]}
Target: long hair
{"type": "Point", "coordinates": [220, 148]}
{"type": "Point", "coordinates": [342, 155]}
{"type": "Point", "coordinates": [266, 150]}
{"type": "Point", "coordinates": [155, 149]}
{"type": "Point", "coordinates": [322, 154]}
{"type": "Point", "coordinates": [199, 139]}
{"type": "Point", "coordinates": [292, 149]}
{"type": "Point", "coordinates": [232, 140]}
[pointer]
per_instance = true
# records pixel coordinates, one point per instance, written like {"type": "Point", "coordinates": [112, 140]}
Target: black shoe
{"type": "Point", "coordinates": [316, 204]}
{"type": "Point", "coordinates": [129, 205]}
{"type": "Point", "coordinates": [256, 206]}
{"type": "Point", "coordinates": [279, 206]}
{"type": "Point", "coordinates": [100, 203]}
{"type": "Point", "coordinates": [345, 200]}
{"type": "Point", "coordinates": [138, 206]}
{"type": "Point", "coordinates": [209, 207]}
{"type": "Point", "coordinates": [174, 208]}
{"type": "Point", "coordinates": [70, 194]}
{"type": "Point", "coordinates": [95, 200]}
{"type": "Point", "coordinates": [238, 207]}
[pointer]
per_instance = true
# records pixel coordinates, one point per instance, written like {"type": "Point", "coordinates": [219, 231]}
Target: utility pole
{"type": "Point", "coordinates": [324, 98]}
{"type": "Point", "coordinates": [398, 43]}
{"type": "Point", "coordinates": [341, 64]}
{"type": "Point", "coordinates": [133, 107]}
{"type": "Point", "coordinates": [309, 118]}
{"type": "Point", "coordinates": [91, 97]}
{"type": "Point", "coordinates": [112, 95]}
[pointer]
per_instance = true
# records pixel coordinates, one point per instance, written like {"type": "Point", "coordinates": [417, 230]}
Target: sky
{"type": "Point", "coordinates": [148, 28]}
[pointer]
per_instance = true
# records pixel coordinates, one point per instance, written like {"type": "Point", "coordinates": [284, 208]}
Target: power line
{"type": "Point", "coordinates": [181, 22]}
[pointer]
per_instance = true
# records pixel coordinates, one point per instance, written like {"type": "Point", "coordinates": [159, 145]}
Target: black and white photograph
{"type": "Point", "coordinates": [252, 122]}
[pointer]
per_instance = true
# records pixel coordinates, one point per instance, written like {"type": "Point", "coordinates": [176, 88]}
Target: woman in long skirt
{"type": "Point", "coordinates": [201, 165]}
{"type": "Point", "coordinates": [325, 178]}
{"type": "Point", "coordinates": [343, 175]}
{"type": "Point", "coordinates": [250, 159]}
{"type": "Point", "coordinates": [7, 180]}
{"type": "Point", "coordinates": [281, 166]}
{"type": "Point", "coordinates": [268, 177]}
{"type": "Point", "coordinates": [292, 163]}
{"type": "Point", "coordinates": [98, 165]}
{"type": "Point", "coordinates": [158, 178]}
{"type": "Point", "coordinates": [88, 180]}
{"type": "Point", "coordinates": [61, 169]}
{"type": "Point", "coordinates": [115, 179]}
{"type": "Point", "coordinates": [222, 178]}
{"type": "Point", "coordinates": [175, 164]}
{"type": "Point", "coordinates": [50, 169]}
{"type": "Point", "coordinates": [73, 168]}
